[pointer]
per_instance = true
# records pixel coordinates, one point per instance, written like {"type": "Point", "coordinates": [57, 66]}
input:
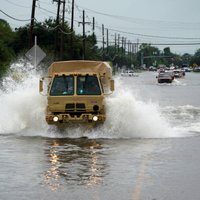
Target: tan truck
{"type": "Point", "coordinates": [76, 91]}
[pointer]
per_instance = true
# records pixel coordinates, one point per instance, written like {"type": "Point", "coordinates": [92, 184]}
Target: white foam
{"type": "Point", "coordinates": [23, 111]}
{"type": "Point", "coordinates": [129, 117]}
{"type": "Point", "coordinates": [177, 82]}
{"type": "Point", "coordinates": [21, 105]}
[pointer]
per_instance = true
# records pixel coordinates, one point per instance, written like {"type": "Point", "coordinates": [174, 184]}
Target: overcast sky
{"type": "Point", "coordinates": [150, 21]}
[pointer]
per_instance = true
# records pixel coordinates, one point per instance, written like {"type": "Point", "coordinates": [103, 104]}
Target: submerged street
{"type": "Point", "coordinates": [147, 149]}
{"type": "Point", "coordinates": [44, 168]}
{"type": "Point", "coordinates": [99, 100]}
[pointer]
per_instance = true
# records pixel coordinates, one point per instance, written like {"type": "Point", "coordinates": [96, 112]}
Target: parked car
{"type": "Point", "coordinates": [128, 73]}
{"type": "Point", "coordinates": [178, 73]}
{"type": "Point", "coordinates": [187, 69]}
{"type": "Point", "coordinates": [152, 69]}
{"type": "Point", "coordinates": [196, 69]}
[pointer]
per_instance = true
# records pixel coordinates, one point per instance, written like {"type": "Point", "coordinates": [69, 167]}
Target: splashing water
{"type": "Point", "coordinates": [128, 117]}
{"type": "Point", "coordinates": [20, 103]}
{"type": "Point", "coordinates": [22, 111]}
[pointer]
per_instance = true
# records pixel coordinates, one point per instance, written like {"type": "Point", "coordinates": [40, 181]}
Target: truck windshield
{"type": "Point", "coordinates": [88, 85]}
{"type": "Point", "coordinates": [62, 85]}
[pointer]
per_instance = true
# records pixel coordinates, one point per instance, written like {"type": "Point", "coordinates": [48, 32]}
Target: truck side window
{"type": "Point", "coordinates": [62, 85]}
{"type": "Point", "coordinates": [88, 85]}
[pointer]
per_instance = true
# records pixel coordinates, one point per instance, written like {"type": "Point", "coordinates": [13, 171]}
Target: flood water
{"type": "Point", "coordinates": [148, 149]}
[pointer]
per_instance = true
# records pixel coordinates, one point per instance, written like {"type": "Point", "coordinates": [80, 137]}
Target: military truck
{"type": "Point", "coordinates": [76, 91]}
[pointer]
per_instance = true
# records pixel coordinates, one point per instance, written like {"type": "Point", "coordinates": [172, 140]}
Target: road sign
{"type": "Point", "coordinates": [35, 54]}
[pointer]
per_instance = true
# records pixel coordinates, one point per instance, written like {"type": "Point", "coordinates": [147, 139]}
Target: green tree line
{"type": "Point", "coordinates": [6, 51]}
{"type": "Point", "coordinates": [50, 36]}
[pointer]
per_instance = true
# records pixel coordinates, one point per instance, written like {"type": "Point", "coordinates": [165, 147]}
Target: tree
{"type": "Point", "coordinates": [186, 59]}
{"type": "Point", "coordinates": [15, 43]}
{"type": "Point", "coordinates": [148, 50]}
{"type": "Point", "coordinates": [196, 58]}
{"type": "Point", "coordinates": [6, 52]}
{"type": "Point", "coordinates": [167, 51]}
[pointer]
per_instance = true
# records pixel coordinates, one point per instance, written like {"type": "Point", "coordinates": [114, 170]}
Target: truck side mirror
{"type": "Point", "coordinates": [112, 85]}
{"type": "Point", "coordinates": [41, 86]}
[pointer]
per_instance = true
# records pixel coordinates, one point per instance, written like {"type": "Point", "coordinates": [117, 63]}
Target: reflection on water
{"type": "Point", "coordinates": [73, 161]}
{"type": "Point", "coordinates": [52, 177]}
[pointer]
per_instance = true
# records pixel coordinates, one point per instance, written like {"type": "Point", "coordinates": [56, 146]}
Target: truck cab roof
{"type": "Point", "coordinates": [80, 66]}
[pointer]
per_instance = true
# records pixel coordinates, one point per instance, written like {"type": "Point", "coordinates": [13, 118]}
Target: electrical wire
{"type": "Point", "coordinates": [22, 20]}
{"type": "Point", "coordinates": [155, 36]}
{"type": "Point", "coordinates": [17, 4]}
{"type": "Point", "coordinates": [113, 29]}
{"type": "Point", "coordinates": [44, 2]}
{"type": "Point", "coordinates": [46, 10]}
{"type": "Point", "coordinates": [137, 20]}
{"type": "Point", "coordinates": [153, 43]}
{"type": "Point", "coordinates": [65, 32]}
{"type": "Point", "coordinates": [136, 34]}
{"type": "Point", "coordinates": [175, 44]}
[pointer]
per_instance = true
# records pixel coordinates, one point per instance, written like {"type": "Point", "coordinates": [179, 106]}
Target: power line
{"type": "Point", "coordinates": [46, 10]}
{"type": "Point", "coordinates": [116, 30]}
{"type": "Point", "coordinates": [22, 20]}
{"type": "Point", "coordinates": [155, 36]}
{"type": "Point", "coordinates": [137, 20]}
{"type": "Point", "coordinates": [137, 34]}
{"type": "Point", "coordinates": [171, 44]}
{"type": "Point", "coordinates": [44, 2]}
{"type": "Point", "coordinates": [17, 4]}
{"type": "Point", "coordinates": [176, 44]}
{"type": "Point", "coordinates": [54, 13]}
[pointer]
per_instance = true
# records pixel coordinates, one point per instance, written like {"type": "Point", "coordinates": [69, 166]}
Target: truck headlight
{"type": "Point", "coordinates": [55, 119]}
{"type": "Point", "coordinates": [95, 118]}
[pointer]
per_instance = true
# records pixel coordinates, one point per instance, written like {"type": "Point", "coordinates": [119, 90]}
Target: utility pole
{"type": "Point", "coordinates": [132, 51]}
{"type": "Point", "coordinates": [84, 38]}
{"type": "Point", "coordinates": [118, 43]}
{"type": "Point", "coordinates": [128, 48]}
{"type": "Point", "coordinates": [83, 34]}
{"type": "Point", "coordinates": [134, 48]}
{"type": "Point", "coordinates": [93, 26]}
{"type": "Point", "coordinates": [142, 59]}
{"type": "Point", "coordinates": [72, 17]}
{"type": "Point", "coordinates": [32, 24]}
{"type": "Point", "coordinates": [57, 29]}
{"type": "Point", "coordinates": [115, 43]}
{"type": "Point", "coordinates": [72, 30]}
{"type": "Point", "coordinates": [62, 34]}
{"type": "Point", "coordinates": [58, 11]}
{"type": "Point", "coordinates": [124, 46]}
{"type": "Point", "coordinates": [137, 46]}
{"type": "Point", "coordinates": [107, 41]}
{"type": "Point", "coordinates": [103, 39]}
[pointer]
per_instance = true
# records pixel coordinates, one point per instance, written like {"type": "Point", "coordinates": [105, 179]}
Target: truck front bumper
{"type": "Point", "coordinates": [67, 118]}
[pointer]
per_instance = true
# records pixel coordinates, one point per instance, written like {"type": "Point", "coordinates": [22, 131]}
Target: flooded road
{"type": "Point", "coordinates": [147, 149]}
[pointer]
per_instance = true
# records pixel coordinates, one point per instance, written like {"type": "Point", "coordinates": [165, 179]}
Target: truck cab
{"type": "Point", "coordinates": [76, 92]}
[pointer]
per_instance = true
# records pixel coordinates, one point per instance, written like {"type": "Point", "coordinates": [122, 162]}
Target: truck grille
{"type": "Point", "coordinates": [75, 107]}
